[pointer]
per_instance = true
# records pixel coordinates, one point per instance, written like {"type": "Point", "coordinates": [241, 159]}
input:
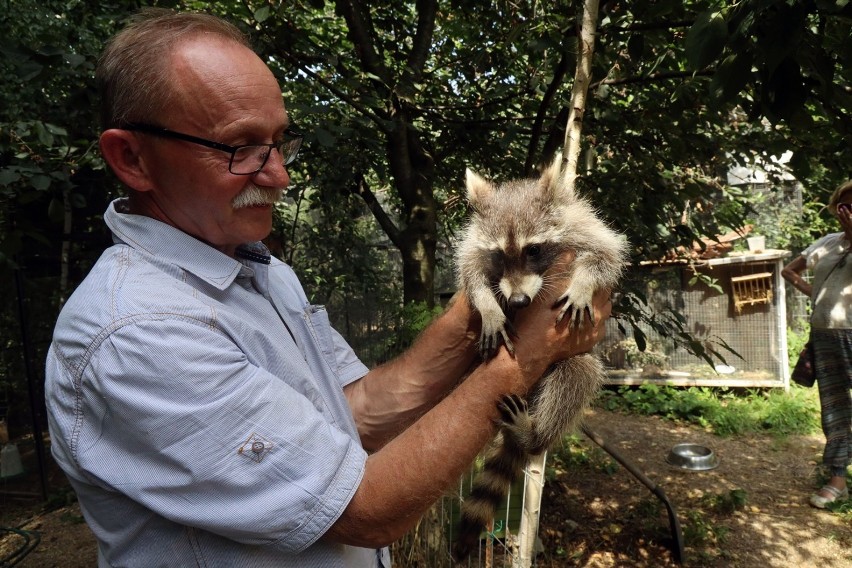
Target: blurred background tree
{"type": "Point", "coordinates": [397, 98]}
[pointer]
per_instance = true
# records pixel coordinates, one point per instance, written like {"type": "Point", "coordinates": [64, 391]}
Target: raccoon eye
{"type": "Point", "coordinates": [533, 250]}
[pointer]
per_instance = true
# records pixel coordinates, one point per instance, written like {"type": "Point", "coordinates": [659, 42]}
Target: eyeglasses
{"type": "Point", "coordinates": [246, 159]}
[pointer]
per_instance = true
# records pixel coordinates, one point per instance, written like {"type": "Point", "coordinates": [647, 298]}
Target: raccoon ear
{"type": "Point", "coordinates": [478, 188]}
{"type": "Point", "coordinates": [553, 181]}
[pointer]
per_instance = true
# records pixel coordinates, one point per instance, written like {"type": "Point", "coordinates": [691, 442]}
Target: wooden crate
{"type": "Point", "coordinates": [751, 289]}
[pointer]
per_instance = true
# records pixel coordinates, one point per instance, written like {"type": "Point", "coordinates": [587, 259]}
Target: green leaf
{"type": "Point", "coordinates": [732, 76]}
{"type": "Point", "coordinates": [261, 14]}
{"type": "Point", "coordinates": [40, 182]}
{"type": "Point", "coordinates": [44, 137]}
{"type": "Point", "coordinates": [78, 200]}
{"type": "Point", "coordinates": [785, 92]}
{"type": "Point", "coordinates": [706, 39]}
{"type": "Point", "coordinates": [636, 46]}
{"type": "Point", "coordinates": [324, 137]}
{"type": "Point", "coordinates": [75, 59]}
{"type": "Point", "coordinates": [55, 130]}
{"type": "Point", "coordinates": [56, 210]}
{"type": "Point", "coordinates": [8, 176]}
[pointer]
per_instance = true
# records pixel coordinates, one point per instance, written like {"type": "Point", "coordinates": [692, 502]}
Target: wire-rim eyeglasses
{"type": "Point", "coordinates": [246, 159]}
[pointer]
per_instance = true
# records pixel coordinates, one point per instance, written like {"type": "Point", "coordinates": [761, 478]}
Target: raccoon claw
{"type": "Point", "coordinates": [489, 343]}
{"type": "Point", "coordinates": [511, 407]}
{"type": "Point", "coordinates": [516, 424]}
{"type": "Point", "coordinates": [576, 315]}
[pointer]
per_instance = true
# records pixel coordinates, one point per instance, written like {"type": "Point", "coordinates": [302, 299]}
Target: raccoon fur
{"type": "Point", "coordinates": [517, 230]}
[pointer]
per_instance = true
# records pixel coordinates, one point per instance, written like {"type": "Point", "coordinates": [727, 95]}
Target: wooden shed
{"type": "Point", "coordinates": [740, 300]}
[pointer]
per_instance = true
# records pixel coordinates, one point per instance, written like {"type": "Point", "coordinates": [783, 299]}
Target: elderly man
{"type": "Point", "coordinates": [204, 411]}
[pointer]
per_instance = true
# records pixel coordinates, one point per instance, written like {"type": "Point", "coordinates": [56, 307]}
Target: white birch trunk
{"type": "Point", "coordinates": [535, 466]}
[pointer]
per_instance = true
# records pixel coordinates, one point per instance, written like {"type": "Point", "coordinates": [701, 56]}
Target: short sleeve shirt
{"type": "Point", "coordinates": [195, 402]}
{"type": "Point", "coordinates": [831, 263]}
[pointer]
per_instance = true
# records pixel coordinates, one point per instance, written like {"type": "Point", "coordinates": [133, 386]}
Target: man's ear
{"type": "Point", "coordinates": [123, 152]}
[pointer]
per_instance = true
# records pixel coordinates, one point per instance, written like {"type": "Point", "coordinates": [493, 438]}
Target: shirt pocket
{"type": "Point", "coordinates": [319, 326]}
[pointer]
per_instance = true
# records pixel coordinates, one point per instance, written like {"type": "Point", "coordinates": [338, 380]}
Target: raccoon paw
{"type": "Point", "coordinates": [576, 316]}
{"type": "Point", "coordinates": [577, 305]}
{"type": "Point", "coordinates": [515, 420]}
{"type": "Point", "coordinates": [491, 337]}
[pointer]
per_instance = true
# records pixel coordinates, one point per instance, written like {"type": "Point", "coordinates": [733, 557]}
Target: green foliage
{"type": "Point", "coordinates": [796, 341]}
{"type": "Point", "coordinates": [725, 412]}
{"type": "Point", "coordinates": [726, 503]}
{"type": "Point", "coordinates": [396, 108]}
{"type": "Point", "coordinates": [572, 454]}
{"type": "Point", "coordinates": [699, 531]}
{"type": "Point", "coordinates": [414, 318]}
{"type": "Point", "coordinates": [706, 39]}
{"type": "Point", "coordinates": [53, 186]}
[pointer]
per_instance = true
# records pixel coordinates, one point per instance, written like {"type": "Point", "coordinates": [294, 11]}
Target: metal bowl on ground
{"type": "Point", "coordinates": [692, 457]}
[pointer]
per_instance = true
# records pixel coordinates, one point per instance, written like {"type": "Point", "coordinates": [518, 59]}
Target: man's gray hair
{"type": "Point", "coordinates": [133, 76]}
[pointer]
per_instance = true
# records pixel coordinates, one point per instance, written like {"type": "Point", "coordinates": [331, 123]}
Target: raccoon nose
{"type": "Point", "coordinates": [518, 301]}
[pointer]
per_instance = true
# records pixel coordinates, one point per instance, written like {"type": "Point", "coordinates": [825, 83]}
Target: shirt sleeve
{"type": "Point", "coordinates": [818, 250]}
{"type": "Point", "coordinates": [175, 417]}
{"type": "Point", "coordinates": [343, 360]}
{"type": "Point", "coordinates": [350, 367]}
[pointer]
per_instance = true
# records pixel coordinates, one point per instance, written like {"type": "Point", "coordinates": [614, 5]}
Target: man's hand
{"type": "Point", "coordinates": [540, 340]}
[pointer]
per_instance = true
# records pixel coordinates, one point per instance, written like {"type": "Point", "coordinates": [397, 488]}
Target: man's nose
{"type": "Point", "coordinates": [273, 173]}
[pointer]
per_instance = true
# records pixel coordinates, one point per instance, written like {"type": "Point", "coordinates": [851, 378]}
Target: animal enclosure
{"type": "Point", "coordinates": [738, 300]}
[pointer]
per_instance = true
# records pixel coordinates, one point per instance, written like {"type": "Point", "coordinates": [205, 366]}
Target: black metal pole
{"type": "Point", "coordinates": [35, 407]}
{"type": "Point", "coordinates": [674, 522]}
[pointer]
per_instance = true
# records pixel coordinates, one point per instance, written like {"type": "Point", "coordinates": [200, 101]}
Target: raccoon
{"type": "Point", "coordinates": [517, 230]}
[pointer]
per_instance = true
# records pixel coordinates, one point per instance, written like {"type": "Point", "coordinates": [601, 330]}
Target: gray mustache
{"type": "Point", "coordinates": [253, 196]}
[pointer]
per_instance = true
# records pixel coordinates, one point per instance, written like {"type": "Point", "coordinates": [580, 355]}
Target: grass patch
{"type": "Point", "coordinates": [724, 411]}
{"type": "Point", "coordinates": [572, 454]}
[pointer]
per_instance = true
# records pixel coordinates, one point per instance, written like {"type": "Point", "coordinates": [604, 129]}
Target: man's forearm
{"type": "Point", "coordinates": [413, 469]}
{"type": "Point", "coordinates": [409, 471]}
{"type": "Point", "coordinates": [391, 397]}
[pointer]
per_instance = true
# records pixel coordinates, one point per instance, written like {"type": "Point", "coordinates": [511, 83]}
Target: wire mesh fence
{"type": "Point", "coordinates": [710, 307]}
{"type": "Point", "coordinates": [429, 544]}
{"type": "Point", "coordinates": [736, 311]}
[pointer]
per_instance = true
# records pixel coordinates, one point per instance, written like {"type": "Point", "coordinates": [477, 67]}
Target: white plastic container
{"type": "Point", "coordinates": [756, 244]}
{"type": "Point", "coordinates": [10, 462]}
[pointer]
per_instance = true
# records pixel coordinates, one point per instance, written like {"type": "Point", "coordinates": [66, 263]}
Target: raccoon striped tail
{"type": "Point", "coordinates": [503, 464]}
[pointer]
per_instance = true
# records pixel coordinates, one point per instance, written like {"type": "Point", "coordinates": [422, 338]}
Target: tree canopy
{"type": "Point", "coordinates": [397, 98]}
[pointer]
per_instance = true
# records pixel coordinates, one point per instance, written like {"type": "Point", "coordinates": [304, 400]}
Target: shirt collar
{"type": "Point", "coordinates": [170, 244]}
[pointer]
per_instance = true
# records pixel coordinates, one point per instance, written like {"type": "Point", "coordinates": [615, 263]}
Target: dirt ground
{"type": "Point", "coordinates": [750, 512]}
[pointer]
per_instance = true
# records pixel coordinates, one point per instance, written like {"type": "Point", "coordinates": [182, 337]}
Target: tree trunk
{"type": "Point", "coordinates": [413, 171]}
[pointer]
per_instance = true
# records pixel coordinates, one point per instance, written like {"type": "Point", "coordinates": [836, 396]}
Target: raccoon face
{"type": "Point", "coordinates": [517, 272]}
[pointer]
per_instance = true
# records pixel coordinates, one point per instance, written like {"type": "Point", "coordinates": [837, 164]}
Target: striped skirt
{"type": "Point", "coordinates": [833, 357]}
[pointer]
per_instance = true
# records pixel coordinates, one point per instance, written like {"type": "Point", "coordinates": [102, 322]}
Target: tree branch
{"type": "Point", "coordinates": [342, 95]}
{"type": "Point", "coordinates": [426, 12]}
{"type": "Point", "coordinates": [648, 26]}
{"type": "Point", "coordinates": [582, 77]}
{"type": "Point", "coordinates": [363, 189]}
{"type": "Point", "coordinates": [659, 76]}
{"type": "Point", "coordinates": [558, 77]}
{"type": "Point", "coordinates": [360, 26]}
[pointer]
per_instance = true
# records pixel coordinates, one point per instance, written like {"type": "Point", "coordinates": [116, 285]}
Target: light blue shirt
{"type": "Point", "coordinates": [195, 403]}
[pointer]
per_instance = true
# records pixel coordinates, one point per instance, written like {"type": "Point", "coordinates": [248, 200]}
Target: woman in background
{"type": "Point", "coordinates": [831, 337]}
